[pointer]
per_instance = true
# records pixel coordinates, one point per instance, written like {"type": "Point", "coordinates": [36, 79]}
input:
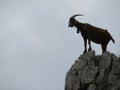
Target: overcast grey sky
{"type": "Point", "coordinates": [36, 46]}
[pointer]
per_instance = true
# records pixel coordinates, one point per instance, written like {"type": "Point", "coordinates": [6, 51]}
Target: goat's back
{"type": "Point", "coordinates": [95, 34]}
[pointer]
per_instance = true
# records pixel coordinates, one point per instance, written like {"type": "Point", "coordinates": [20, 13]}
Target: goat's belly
{"type": "Point", "coordinates": [98, 40]}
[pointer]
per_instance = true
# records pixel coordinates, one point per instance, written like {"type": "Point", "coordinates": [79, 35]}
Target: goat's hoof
{"type": "Point", "coordinates": [85, 51]}
{"type": "Point", "coordinates": [89, 49]}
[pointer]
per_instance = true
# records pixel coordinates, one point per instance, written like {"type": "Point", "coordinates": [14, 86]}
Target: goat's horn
{"type": "Point", "coordinates": [77, 15]}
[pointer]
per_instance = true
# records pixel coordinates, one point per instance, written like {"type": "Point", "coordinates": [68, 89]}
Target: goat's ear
{"type": "Point", "coordinates": [75, 21]}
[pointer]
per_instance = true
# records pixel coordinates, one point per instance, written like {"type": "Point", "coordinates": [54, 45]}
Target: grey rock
{"type": "Point", "coordinates": [91, 72]}
{"type": "Point", "coordinates": [92, 87]}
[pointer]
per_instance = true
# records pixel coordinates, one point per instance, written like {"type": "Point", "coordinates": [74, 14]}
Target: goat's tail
{"type": "Point", "coordinates": [113, 40]}
{"type": "Point", "coordinates": [111, 37]}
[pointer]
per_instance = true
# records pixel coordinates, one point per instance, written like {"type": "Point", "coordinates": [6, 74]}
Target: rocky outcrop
{"type": "Point", "coordinates": [91, 72]}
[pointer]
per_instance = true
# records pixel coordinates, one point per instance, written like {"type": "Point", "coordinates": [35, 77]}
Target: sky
{"type": "Point", "coordinates": [36, 46]}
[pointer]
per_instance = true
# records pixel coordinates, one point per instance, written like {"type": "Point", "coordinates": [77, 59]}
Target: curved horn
{"type": "Point", "coordinates": [76, 15]}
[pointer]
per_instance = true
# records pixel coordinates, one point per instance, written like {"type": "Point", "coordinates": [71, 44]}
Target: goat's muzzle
{"type": "Point", "coordinates": [70, 25]}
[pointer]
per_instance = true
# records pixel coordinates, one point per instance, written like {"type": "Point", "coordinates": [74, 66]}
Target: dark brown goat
{"type": "Point", "coordinates": [91, 33]}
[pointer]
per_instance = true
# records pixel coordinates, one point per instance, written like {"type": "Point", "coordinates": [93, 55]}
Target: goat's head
{"type": "Point", "coordinates": [73, 21]}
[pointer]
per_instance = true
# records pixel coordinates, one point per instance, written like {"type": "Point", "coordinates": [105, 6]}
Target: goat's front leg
{"type": "Point", "coordinates": [89, 42]}
{"type": "Point", "coordinates": [85, 45]}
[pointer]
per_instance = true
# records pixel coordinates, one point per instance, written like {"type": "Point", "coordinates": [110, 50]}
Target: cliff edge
{"type": "Point", "coordinates": [91, 72]}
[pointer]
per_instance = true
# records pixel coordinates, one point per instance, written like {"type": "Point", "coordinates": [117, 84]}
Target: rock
{"type": "Point", "coordinates": [92, 87]}
{"type": "Point", "coordinates": [91, 72]}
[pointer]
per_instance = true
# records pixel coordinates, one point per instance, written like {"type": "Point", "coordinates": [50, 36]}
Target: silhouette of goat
{"type": "Point", "coordinates": [91, 33]}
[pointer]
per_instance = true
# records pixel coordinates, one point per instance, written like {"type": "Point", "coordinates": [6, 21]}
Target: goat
{"type": "Point", "coordinates": [91, 33]}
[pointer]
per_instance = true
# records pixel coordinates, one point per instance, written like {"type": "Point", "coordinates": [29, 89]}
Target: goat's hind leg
{"type": "Point", "coordinates": [104, 47]}
{"type": "Point", "coordinates": [89, 42]}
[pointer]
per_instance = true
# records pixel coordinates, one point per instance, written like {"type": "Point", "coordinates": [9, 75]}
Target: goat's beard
{"type": "Point", "coordinates": [77, 31]}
